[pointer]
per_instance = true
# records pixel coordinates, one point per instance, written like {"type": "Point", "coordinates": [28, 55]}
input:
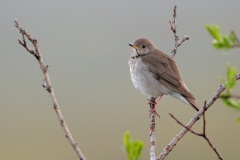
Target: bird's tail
{"type": "Point", "coordinates": [192, 102]}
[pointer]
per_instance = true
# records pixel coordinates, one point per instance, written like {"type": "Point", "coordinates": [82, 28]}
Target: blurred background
{"type": "Point", "coordinates": [86, 45]}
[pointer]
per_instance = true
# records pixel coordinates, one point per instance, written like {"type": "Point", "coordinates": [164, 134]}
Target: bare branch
{"type": "Point", "coordinates": [189, 129]}
{"type": "Point", "coordinates": [204, 119]}
{"type": "Point", "coordinates": [196, 117]}
{"type": "Point", "coordinates": [47, 85]}
{"type": "Point", "coordinates": [153, 114]}
{"type": "Point", "coordinates": [173, 26]}
{"type": "Point", "coordinates": [203, 135]}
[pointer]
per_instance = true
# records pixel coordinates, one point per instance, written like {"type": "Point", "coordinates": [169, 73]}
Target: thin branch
{"type": "Point", "coordinates": [47, 85]}
{"type": "Point", "coordinates": [237, 39]}
{"type": "Point", "coordinates": [196, 117]}
{"type": "Point", "coordinates": [36, 53]}
{"type": "Point", "coordinates": [173, 26]}
{"type": "Point", "coordinates": [153, 114]}
{"type": "Point", "coordinates": [203, 134]}
{"type": "Point", "coordinates": [204, 119]}
{"type": "Point", "coordinates": [189, 129]}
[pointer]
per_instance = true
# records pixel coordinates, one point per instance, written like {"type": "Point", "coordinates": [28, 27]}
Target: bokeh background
{"type": "Point", "coordinates": [85, 44]}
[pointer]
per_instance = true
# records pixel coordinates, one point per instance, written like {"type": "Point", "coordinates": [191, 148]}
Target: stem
{"type": "Point", "coordinates": [153, 114]}
{"type": "Point", "coordinates": [48, 86]}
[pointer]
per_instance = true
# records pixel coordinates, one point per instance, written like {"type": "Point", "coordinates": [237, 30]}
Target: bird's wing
{"type": "Point", "coordinates": [165, 70]}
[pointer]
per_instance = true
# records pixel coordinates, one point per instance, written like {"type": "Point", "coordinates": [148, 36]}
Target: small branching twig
{"type": "Point", "coordinates": [173, 26]}
{"type": "Point", "coordinates": [203, 134]}
{"type": "Point", "coordinates": [36, 53]}
{"type": "Point", "coordinates": [47, 85]}
{"type": "Point", "coordinates": [196, 117]}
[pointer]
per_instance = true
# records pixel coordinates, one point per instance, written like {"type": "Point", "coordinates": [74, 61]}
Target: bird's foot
{"type": "Point", "coordinates": [154, 110]}
{"type": "Point", "coordinates": [153, 106]}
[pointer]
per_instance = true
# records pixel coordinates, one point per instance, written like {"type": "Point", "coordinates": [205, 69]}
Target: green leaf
{"type": "Point", "coordinates": [231, 72]}
{"type": "Point", "coordinates": [133, 148]}
{"type": "Point", "coordinates": [214, 30]}
{"type": "Point", "coordinates": [217, 44]}
{"type": "Point", "coordinates": [226, 102]}
{"type": "Point", "coordinates": [226, 42]}
{"type": "Point", "coordinates": [231, 103]}
{"type": "Point", "coordinates": [127, 143]}
{"type": "Point", "coordinates": [138, 148]}
{"type": "Point", "coordinates": [219, 41]}
{"type": "Point", "coordinates": [232, 38]}
{"type": "Point", "coordinates": [225, 96]}
{"type": "Point", "coordinates": [126, 138]}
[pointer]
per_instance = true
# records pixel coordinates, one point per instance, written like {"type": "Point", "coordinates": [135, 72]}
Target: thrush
{"type": "Point", "coordinates": [156, 74]}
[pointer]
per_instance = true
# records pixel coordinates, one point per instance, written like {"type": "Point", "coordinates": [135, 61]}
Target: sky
{"type": "Point", "coordinates": [85, 44]}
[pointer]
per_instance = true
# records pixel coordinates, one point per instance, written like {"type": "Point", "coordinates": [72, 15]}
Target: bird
{"type": "Point", "coordinates": [155, 73]}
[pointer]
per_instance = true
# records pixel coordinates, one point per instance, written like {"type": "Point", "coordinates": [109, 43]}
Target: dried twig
{"type": "Point", "coordinates": [196, 117]}
{"type": "Point", "coordinates": [174, 30]}
{"type": "Point", "coordinates": [47, 85]}
{"type": "Point", "coordinates": [203, 134]}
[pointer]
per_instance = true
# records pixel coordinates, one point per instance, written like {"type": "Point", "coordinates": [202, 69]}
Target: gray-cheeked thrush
{"type": "Point", "coordinates": [156, 74]}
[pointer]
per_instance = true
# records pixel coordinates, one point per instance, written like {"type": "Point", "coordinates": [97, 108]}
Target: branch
{"type": "Point", "coordinates": [48, 86]}
{"type": "Point", "coordinates": [196, 117]}
{"type": "Point", "coordinates": [203, 134]}
{"type": "Point", "coordinates": [153, 114]}
{"type": "Point", "coordinates": [174, 30]}
{"type": "Point", "coordinates": [237, 40]}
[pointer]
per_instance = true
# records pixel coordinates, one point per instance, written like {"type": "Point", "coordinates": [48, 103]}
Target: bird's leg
{"type": "Point", "coordinates": [153, 105]}
{"type": "Point", "coordinates": [158, 101]}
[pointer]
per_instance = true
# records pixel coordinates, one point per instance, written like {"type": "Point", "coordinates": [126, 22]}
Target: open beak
{"type": "Point", "coordinates": [133, 46]}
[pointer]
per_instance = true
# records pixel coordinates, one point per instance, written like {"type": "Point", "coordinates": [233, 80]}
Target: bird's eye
{"type": "Point", "coordinates": [143, 46]}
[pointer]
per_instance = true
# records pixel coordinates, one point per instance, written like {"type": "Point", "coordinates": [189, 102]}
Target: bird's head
{"type": "Point", "coordinates": [142, 46]}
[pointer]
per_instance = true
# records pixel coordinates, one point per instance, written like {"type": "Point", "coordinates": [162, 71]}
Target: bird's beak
{"type": "Point", "coordinates": [133, 46]}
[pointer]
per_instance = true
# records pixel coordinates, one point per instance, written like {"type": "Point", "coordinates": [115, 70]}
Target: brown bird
{"type": "Point", "coordinates": [156, 74]}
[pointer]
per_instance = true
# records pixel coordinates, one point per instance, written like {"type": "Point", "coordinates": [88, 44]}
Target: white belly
{"type": "Point", "coordinates": [145, 81]}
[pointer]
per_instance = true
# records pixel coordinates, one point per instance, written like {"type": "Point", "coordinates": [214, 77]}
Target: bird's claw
{"type": "Point", "coordinates": [153, 106]}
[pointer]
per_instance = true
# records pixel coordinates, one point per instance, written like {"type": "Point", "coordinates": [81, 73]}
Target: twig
{"type": "Point", "coordinates": [174, 30]}
{"type": "Point", "coordinates": [203, 134]}
{"type": "Point", "coordinates": [153, 114]}
{"type": "Point", "coordinates": [204, 119]}
{"type": "Point", "coordinates": [196, 117]}
{"type": "Point", "coordinates": [47, 85]}
{"type": "Point", "coordinates": [189, 129]}
{"type": "Point", "coordinates": [237, 40]}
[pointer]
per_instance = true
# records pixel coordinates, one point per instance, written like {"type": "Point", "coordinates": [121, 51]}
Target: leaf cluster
{"type": "Point", "coordinates": [225, 42]}
{"type": "Point", "coordinates": [133, 148]}
{"type": "Point", "coordinates": [228, 98]}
